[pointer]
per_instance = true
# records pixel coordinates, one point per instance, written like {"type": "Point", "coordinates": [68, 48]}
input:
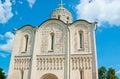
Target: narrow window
{"type": "Point", "coordinates": [67, 19]}
{"type": "Point", "coordinates": [26, 42]}
{"type": "Point", "coordinates": [22, 74]}
{"type": "Point", "coordinates": [81, 39]}
{"type": "Point", "coordinates": [59, 17]}
{"type": "Point", "coordinates": [81, 74]}
{"type": "Point", "coordinates": [52, 41]}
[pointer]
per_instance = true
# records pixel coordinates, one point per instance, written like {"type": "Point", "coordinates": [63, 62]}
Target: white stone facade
{"type": "Point", "coordinates": [56, 49]}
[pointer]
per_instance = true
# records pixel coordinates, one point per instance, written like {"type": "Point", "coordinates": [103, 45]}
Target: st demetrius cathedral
{"type": "Point", "coordinates": [57, 49]}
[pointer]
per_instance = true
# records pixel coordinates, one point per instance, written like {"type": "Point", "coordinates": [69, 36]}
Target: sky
{"type": "Point", "coordinates": [17, 13]}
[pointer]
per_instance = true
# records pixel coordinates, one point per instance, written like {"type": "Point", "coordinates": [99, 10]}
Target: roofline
{"type": "Point", "coordinates": [57, 20]}
{"type": "Point", "coordinates": [16, 29]}
{"type": "Point", "coordinates": [84, 21]}
{"type": "Point", "coordinates": [24, 26]}
{"type": "Point", "coordinates": [50, 20]}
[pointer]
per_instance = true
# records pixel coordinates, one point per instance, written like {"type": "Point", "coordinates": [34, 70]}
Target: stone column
{"type": "Point", "coordinates": [67, 58]}
{"type": "Point", "coordinates": [95, 67]}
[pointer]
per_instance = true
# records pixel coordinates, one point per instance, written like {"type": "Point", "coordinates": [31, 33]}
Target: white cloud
{"type": "Point", "coordinates": [3, 55]}
{"type": "Point", "coordinates": [9, 37]}
{"type": "Point", "coordinates": [99, 10]}
{"type": "Point", "coordinates": [118, 72]}
{"type": "Point", "coordinates": [5, 11]}
{"type": "Point", "coordinates": [31, 2]}
{"type": "Point", "coordinates": [1, 37]}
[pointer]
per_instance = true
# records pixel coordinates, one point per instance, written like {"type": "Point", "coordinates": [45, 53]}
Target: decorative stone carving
{"type": "Point", "coordinates": [81, 62]}
{"type": "Point", "coordinates": [22, 63]}
{"type": "Point", "coordinates": [50, 63]}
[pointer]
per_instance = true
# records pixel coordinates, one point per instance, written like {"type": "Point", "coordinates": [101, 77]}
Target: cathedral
{"type": "Point", "coordinates": [56, 49]}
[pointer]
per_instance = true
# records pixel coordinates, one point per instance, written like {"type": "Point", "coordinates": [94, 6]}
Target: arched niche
{"type": "Point", "coordinates": [49, 76]}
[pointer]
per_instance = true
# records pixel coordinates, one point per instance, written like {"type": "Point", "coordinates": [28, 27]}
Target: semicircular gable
{"type": "Point", "coordinates": [81, 23]}
{"type": "Point", "coordinates": [53, 23]}
{"type": "Point", "coordinates": [80, 31]}
{"type": "Point", "coordinates": [26, 27]}
{"type": "Point", "coordinates": [26, 39]}
{"type": "Point", "coordinates": [82, 20]}
{"type": "Point", "coordinates": [49, 31]}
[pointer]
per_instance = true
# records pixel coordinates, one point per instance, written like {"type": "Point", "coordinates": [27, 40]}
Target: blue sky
{"type": "Point", "coordinates": [16, 13]}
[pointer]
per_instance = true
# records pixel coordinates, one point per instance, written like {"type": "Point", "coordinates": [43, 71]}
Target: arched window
{"type": "Point", "coordinates": [59, 17]}
{"type": "Point", "coordinates": [22, 74]}
{"type": "Point", "coordinates": [81, 39]}
{"type": "Point", "coordinates": [52, 41]}
{"type": "Point", "coordinates": [26, 42]}
{"type": "Point", "coordinates": [67, 19]}
{"type": "Point", "coordinates": [81, 74]}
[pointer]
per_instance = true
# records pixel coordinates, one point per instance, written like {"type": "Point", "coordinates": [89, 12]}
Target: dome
{"type": "Point", "coordinates": [62, 13]}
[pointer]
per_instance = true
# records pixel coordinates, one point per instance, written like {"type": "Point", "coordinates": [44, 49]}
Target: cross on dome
{"type": "Point", "coordinates": [61, 4]}
{"type": "Point", "coordinates": [62, 13]}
